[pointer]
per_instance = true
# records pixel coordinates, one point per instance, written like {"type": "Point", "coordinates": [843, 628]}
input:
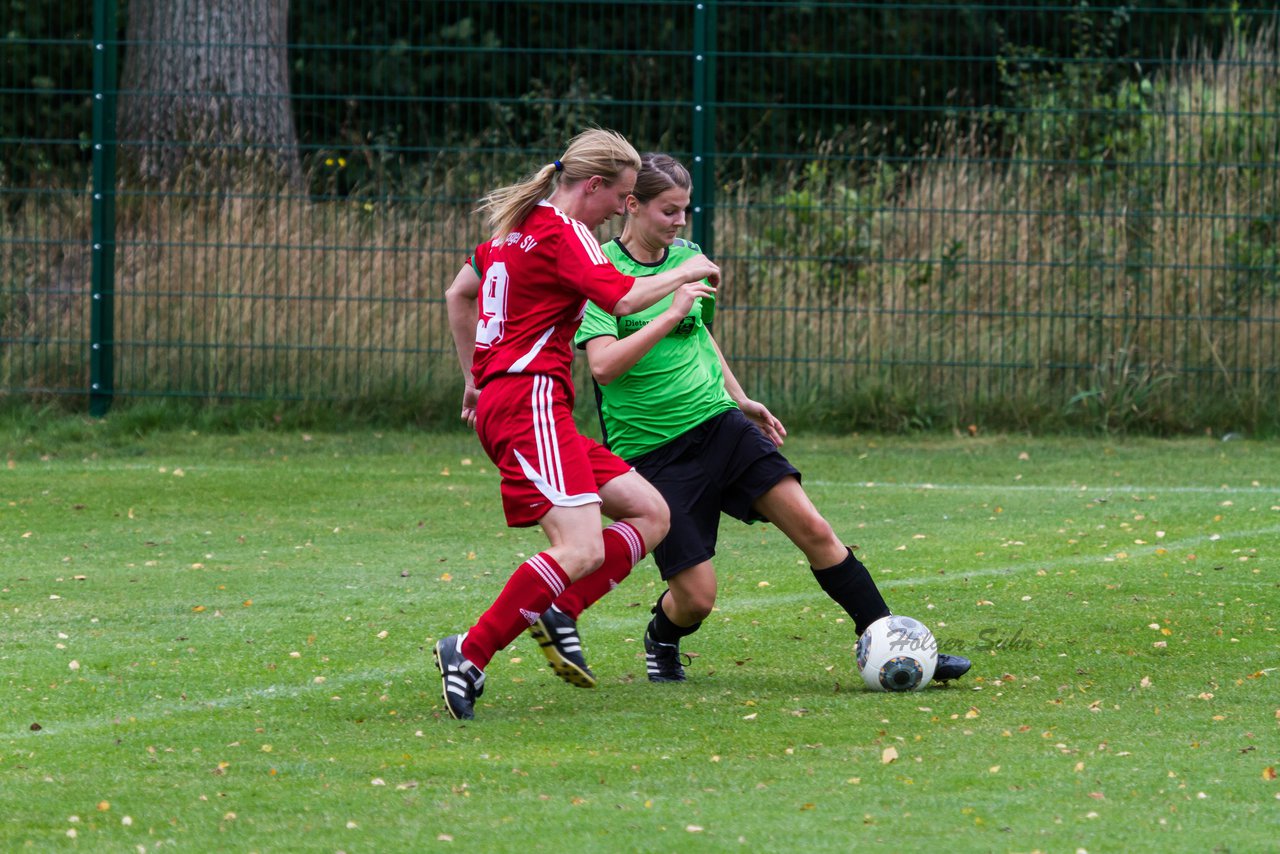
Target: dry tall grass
{"type": "Point", "coordinates": [1127, 289]}
{"type": "Point", "coordinates": [1139, 290]}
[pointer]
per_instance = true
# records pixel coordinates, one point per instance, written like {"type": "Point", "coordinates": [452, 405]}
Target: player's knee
{"type": "Point", "coordinates": [700, 604]}
{"type": "Point", "coordinates": [655, 519]}
{"type": "Point", "coordinates": [581, 558]}
{"type": "Point", "coordinates": [814, 532]}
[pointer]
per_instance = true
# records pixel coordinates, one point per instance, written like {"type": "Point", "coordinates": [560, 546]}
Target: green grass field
{"type": "Point", "coordinates": [213, 642]}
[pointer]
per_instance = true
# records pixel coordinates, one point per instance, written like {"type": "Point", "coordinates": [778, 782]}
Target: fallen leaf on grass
{"type": "Point", "coordinates": [1269, 773]}
{"type": "Point", "coordinates": [890, 754]}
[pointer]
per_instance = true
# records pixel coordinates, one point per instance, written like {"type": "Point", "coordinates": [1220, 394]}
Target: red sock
{"type": "Point", "coordinates": [623, 549]}
{"type": "Point", "coordinates": [528, 593]}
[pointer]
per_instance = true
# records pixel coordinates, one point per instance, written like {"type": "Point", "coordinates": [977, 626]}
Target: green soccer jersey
{"type": "Point", "coordinates": [676, 385]}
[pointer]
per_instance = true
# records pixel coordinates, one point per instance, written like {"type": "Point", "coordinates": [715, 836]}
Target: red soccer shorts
{"type": "Point", "coordinates": [525, 423]}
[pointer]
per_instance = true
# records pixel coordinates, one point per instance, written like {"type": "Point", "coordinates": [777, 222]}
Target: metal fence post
{"type": "Point", "coordinates": [703, 171]}
{"type": "Point", "coordinates": [103, 208]}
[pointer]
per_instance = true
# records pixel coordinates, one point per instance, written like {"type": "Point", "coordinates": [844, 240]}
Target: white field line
{"type": "Point", "coordinates": [1063, 489]}
{"type": "Point", "coordinates": [291, 691]}
{"type": "Point", "coordinates": [765, 599]}
{"type": "Point", "coordinates": [98, 465]}
{"type": "Point", "coordinates": [162, 709]}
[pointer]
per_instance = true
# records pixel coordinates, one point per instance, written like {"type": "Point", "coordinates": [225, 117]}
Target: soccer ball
{"type": "Point", "coordinates": [897, 653]}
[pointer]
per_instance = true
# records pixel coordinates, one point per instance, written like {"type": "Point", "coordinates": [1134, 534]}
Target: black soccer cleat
{"type": "Point", "coordinates": [557, 635]}
{"type": "Point", "coordinates": [950, 667]}
{"type": "Point", "coordinates": [662, 660]}
{"type": "Point", "coordinates": [461, 681]}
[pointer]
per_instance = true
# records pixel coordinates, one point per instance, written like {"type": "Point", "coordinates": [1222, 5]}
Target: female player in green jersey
{"type": "Point", "coordinates": [671, 407]}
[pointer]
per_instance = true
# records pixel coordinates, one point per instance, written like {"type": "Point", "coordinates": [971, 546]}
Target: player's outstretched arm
{"type": "Point", "coordinates": [611, 357]}
{"type": "Point", "coordinates": [649, 289]}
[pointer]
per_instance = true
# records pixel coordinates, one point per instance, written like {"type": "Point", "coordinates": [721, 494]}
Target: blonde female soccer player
{"type": "Point", "coordinates": [513, 310]}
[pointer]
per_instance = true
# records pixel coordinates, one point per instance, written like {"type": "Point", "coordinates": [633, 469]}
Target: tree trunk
{"type": "Point", "coordinates": [204, 100]}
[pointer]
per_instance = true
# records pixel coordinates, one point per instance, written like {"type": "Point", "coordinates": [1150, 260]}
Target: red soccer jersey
{"type": "Point", "coordinates": [535, 283]}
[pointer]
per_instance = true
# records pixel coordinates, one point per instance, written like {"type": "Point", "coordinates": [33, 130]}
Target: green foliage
{"type": "Point", "coordinates": [1072, 195]}
{"type": "Point", "coordinates": [46, 112]}
{"type": "Point", "coordinates": [1253, 256]}
{"type": "Point", "coordinates": [836, 212]}
{"type": "Point", "coordinates": [1087, 106]}
{"type": "Point", "coordinates": [390, 92]}
{"type": "Point", "coordinates": [1125, 394]}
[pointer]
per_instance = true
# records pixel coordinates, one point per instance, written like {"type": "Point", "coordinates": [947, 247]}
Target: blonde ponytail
{"type": "Point", "coordinates": [593, 152]}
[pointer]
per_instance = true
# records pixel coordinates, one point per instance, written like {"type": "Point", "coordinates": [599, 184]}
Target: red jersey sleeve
{"type": "Point", "coordinates": [584, 266]}
{"type": "Point", "coordinates": [480, 258]}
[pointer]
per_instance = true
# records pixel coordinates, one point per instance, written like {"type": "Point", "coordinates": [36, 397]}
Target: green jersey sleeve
{"type": "Point", "coordinates": [595, 323]}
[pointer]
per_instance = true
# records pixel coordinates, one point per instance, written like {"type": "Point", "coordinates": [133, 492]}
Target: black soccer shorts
{"type": "Point", "coordinates": [720, 466]}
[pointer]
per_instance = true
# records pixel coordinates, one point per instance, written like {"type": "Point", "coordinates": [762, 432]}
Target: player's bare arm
{"type": "Point", "coordinates": [753, 409]}
{"type": "Point", "coordinates": [647, 290]}
{"type": "Point", "coordinates": [461, 299]}
{"type": "Point", "coordinates": [611, 357]}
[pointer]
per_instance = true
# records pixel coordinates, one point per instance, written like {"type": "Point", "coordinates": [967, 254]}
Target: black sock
{"type": "Point", "coordinates": [663, 630]}
{"type": "Point", "coordinates": [852, 587]}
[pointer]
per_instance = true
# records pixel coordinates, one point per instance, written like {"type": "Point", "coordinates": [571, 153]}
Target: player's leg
{"type": "Point", "coordinates": [640, 517]}
{"type": "Point", "coordinates": [555, 490]}
{"type": "Point", "coordinates": [631, 499]}
{"type": "Point", "coordinates": [841, 575]}
{"type": "Point", "coordinates": [690, 597]}
{"type": "Point", "coordinates": [690, 473]}
{"type": "Point", "coordinates": [684, 561]}
{"type": "Point", "coordinates": [678, 613]}
{"type": "Point", "coordinates": [575, 549]}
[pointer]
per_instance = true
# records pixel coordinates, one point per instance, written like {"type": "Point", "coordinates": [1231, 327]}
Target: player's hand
{"type": "Point", "coordinates": [763, 418]}
{"type": "Point", "coordinates": [703, 268]}
{"type": "Point", "coordinates": [682, 301]}
{"type": "Point", "coordinates": [470, 398]}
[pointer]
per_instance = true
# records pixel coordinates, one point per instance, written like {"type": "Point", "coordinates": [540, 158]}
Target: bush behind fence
{"type": "Point", "coordinates": [1082, 232]}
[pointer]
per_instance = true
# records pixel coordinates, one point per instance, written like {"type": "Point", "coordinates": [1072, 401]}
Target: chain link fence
{"type": "Point", "coordinates": [929, 214]}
